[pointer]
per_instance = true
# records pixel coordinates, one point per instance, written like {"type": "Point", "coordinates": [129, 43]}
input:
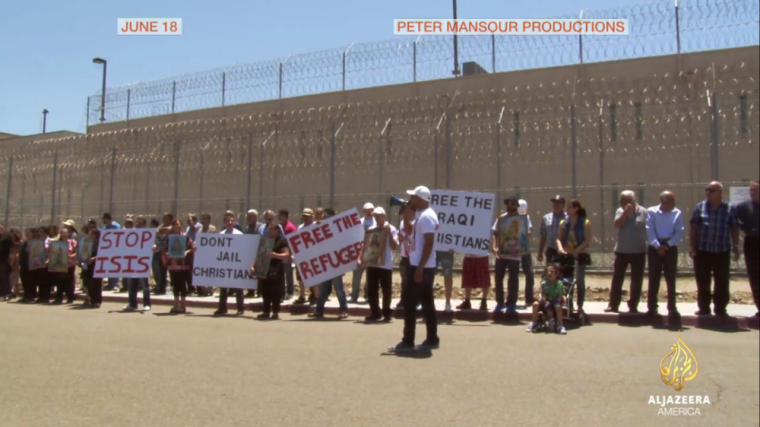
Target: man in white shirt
{"type": "Point", "coordinates": [229, 228]}
{"type": "Point", "coordinates": [506, 265]}
{"type": "Point", "coordinates": [422, 266]}
{"type": "Point", "coordinates": [356, 281]}
{"type": "Point", "coordinates": [380, 277]}
{"type": "Point", "coordinates": [665, 229]}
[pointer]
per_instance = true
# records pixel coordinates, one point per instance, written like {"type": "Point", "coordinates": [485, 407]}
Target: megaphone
{"type": "Point", "coordinates": [398, 201]}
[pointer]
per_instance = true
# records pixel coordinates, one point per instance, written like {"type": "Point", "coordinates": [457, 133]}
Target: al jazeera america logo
{"type": "Point", "coordinates": [676, 369]}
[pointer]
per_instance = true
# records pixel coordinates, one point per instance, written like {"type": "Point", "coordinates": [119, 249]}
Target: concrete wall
{"type": "Point", "coordinates": [442, 133]}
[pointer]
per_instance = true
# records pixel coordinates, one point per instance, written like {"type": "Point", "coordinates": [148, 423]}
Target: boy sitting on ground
{"type": "Point", "coordinates": [552, 298]}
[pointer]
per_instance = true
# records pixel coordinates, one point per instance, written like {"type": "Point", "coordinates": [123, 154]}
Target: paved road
{"type": "Point", "coordinates": [60, 366]}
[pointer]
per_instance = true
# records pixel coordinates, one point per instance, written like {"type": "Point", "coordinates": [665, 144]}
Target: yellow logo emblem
{"type": "Point", "coordinates": [679, 366]}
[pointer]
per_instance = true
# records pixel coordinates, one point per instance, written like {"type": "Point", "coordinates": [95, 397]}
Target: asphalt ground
{"type": "Point", "coordinates": [65, 366]}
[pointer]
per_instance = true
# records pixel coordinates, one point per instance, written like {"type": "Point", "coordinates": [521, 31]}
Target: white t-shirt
{"type": "Point", "coordinates": [403, 246]}
{"type": "Point", "coordinates": [426, 222]}
{"type": "Point", "coordinates": [368, 223]}
{"type": "Point", "coordinates": [388, 251]}
{"type": "Point", "coordinates": [495, 229]}
{"type": "Point", "coordinates": [234, 231]}
{"type": "Point", "coordinates": [304, 225]}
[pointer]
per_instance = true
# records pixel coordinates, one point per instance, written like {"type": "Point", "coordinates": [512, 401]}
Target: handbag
{"type": "Point", "coordinates": [584, 259]}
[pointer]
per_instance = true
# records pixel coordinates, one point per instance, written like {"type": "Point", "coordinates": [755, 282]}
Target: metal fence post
{"type": "Point", "coordinates": [714, 140]}
{"type": "Point", "coordinates": [8, 192]}
{"type": "Point", "coordinates": [382, 147]}
{"type": "Point", "coordinates": [87, 126]}
{"type": "Point", "coordinates": [147, 187]}
{"type": "Point", "coordinates": [224, 86]}
{"type": "Point", "coordinates": [129, 96]}
{"type": "Point", "coordinates": [493, 53]}
{"type": "Point", "coordinates": [250, 162]}
{"type": "Point", "coordinates": [603, 218]}
{"type": "Point", "coordinates": [22, 211]}
{"type": "Point", "coordinates": [113, 181]}
{"type": "Point", "coordinates": [414, 60]}
{"type": "Point", "coordinates": [174, 95]}
{"type": "Point", "coordinates": [175, 204]}
{"type": "Point", "coordinates": [55, 185]}
{"type": "Point", "coordinates": [102, 183]}
{"type": "Point", "coordinates": [261, 175]}
{"type": "Point", "coordinates": [332, 166]}
{"type": "Point", "coordinates": [200, 189]}
{"type": "Point", "coordinates": [448, 153]}
{"type": "Point", "coordinates": [498, 155]}
{"type": "Point", "coordinates": [678, 34]}
{"type": "Point", "coordinates": [574, 127]}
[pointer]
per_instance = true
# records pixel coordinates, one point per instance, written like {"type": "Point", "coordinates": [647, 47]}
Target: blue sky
{"type": "Point", "coordinates": [46, 47]}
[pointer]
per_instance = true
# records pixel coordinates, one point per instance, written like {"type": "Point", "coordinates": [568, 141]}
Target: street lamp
{"type": "Point", "coordinates": [103, 94]}
{"type": "Point", "coordinates": [456, 44]}
{"type": "Point", "coordinates": [44, 119]}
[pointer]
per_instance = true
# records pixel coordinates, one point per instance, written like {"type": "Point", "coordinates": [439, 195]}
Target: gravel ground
{"type": "Point", "coordinates": [64, 366]}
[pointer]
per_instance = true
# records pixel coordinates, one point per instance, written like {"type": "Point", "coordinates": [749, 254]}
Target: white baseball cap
{"type": "Point", "coordinates": [368, 206]}
{"type": "Point", "coordinates": [379, 211]}
{"type": "Point", "coordinates": [522, 206]}
{"type": "Point", "coordinates": [422, 192]}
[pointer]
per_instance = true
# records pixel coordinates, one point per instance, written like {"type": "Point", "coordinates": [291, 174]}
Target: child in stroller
{"type": "Point", "coordinates": [551, 301]}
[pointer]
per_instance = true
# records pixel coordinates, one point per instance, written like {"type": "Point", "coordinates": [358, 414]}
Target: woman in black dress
{"type": "Point", "coordinates": [273, 285]}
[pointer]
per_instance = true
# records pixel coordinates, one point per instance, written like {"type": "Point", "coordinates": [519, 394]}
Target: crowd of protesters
{"type": "Point", "coordinates": [645, 236]}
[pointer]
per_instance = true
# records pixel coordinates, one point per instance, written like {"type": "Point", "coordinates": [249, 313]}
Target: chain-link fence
{"type": "Point", "coordinates": [659, 28]}
{"type": "Point", "coordinates": [588, 139]}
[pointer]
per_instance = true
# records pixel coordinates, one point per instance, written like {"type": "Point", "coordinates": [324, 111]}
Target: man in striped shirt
{"type": "Point", "coordinates": [714, 235]}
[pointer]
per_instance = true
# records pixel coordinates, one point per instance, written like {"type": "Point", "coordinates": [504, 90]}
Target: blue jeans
{"type": "Point", "coordinates": [527, 266]}
{"type": "Point", "coordinates": [356, 284]}
{"type": "Point", "coordinates": [289, 281]}
{"type": "Point", "coordinates": [501, 267]}
{"type": "Point", "coordinates": [132, 286]}
{"type": "Point", "coordinates": [580, 283]}
{"type": "Point", "coordinates": [324, 291]}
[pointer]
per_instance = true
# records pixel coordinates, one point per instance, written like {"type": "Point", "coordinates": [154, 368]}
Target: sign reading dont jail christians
{"type": "Point", "coordinates": [328, 249]}
{"type": "Point", "coordinates": [464, 221]}
{"type": "Point", "coordinates": [225, 260]}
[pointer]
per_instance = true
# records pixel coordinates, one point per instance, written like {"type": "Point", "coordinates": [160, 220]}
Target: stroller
{"type": "Point", "coordinates": [566, 264]}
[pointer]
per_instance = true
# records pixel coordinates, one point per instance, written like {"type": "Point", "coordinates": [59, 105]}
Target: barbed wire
{"type": "Point", "coordinates": [702, 25]}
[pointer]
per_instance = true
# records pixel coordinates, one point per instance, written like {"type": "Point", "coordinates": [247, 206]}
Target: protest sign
{"type": "Point", "coordinates": [739, 194]}
{"type": "Point", "coordinates": [125, 253]}
{"type": "Point", "coordinates": [464, 221]}
{"type": "Point", "coordinates": [225, 260]}
{"type": "Point", "coordinates": [328, 249]}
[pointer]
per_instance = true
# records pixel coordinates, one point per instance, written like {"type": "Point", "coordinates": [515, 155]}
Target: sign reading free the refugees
{"type": "Point", "coordinates": [327, 249]}
{"type": "Point", "coordinates": [464, 221]}
{"type": "Point", "coordinates": [225, 260]}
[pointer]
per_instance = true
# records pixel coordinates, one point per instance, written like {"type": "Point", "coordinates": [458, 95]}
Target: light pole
{"type": "Point", "coordinates": [456, 44]}
{"type": "Point", "coordinates": [44, 119]}
{"type": "Point", "coordinates": [103, 91]}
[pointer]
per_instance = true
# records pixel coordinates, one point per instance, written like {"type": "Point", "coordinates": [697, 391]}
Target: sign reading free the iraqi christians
{"type": "Point", "coordinates": [464, 221]}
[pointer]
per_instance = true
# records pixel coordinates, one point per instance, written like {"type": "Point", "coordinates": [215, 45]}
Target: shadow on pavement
{"type": "Point", "coordinates": [216, 316]}
{"type": "Point", "coordinates": [412, 354]}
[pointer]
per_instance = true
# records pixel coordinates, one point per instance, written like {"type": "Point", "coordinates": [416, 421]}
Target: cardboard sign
{"type": "Point", "coordinates": [464, 220]}
{"type": "Point", "coordinates": [125, 253]}
{"type": "Point", "coordinates": [225, 260]}
{"type": "Point", "coordinates": [328, 249]}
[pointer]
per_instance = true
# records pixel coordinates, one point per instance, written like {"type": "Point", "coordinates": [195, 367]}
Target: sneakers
{"type": "Point", "coordinates": [562, 330]}
{"type": "Point", "coordinates": [511, 309]}
{"type": "Point", "coordinates": [499, 308]}
{"type": "Point", "coordinates": [146, 308]}
{"type": "Point", "coordinates": [129, 308]}
{"type": "Point", "coordinates": [448, 308]}
{"type": "Point", "coordinates": [429, 345]}
{"type": "Point", "coordinates": [532, 327]}
{"type": "Point", "coordinates": [400, 347]}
